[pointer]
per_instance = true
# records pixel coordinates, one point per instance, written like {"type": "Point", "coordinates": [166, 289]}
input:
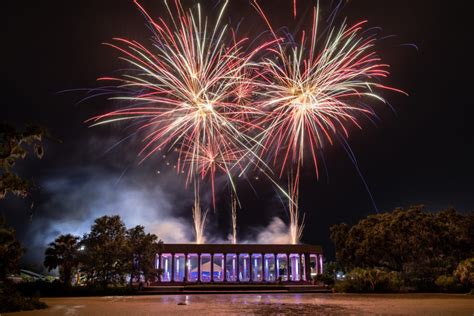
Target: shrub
{"type": "Point", "coordinates": [465, 272]}
{"type": "Point", "coordinates": [370, 281]}
{"type": "Point", "coordinates": [12, 301]}
{"type": "Point", "coordinates": [448, 283]}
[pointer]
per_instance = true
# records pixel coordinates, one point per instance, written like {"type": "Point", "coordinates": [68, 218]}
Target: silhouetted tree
{"type": "Point", "coordinates": [12, 149]}
{"type": "Point", "coordinates": [142, 251]}
{"type": "Point", "coordinates": [10, 251]}
{"type": "Point", "coordinates": [63, 254]}
{"type": "Point", "coordinates": [105, 256]}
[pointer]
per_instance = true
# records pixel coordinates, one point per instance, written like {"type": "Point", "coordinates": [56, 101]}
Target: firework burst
{"type": "Point", "coordinates": [189, 95]}
{"type": "Point", "coordinates": [312, 93]}
{"type": "Point", "coordinates": [198, 93]}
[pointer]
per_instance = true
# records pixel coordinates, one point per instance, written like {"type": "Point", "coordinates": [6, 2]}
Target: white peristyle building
{"type": "Point", "coordinates": [238, 263]}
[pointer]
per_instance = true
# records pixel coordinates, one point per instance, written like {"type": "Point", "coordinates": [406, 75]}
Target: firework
{"type": "Point", "coordinates": [234, 219]}
{"type": "Point", "coordinates": [199, 217]}
{"type": "Point", "coordinates": [188, 94]}
{"type": "Point", "coordinates": [312, 93]}
{"type": "Point", "coordinates": [196, 92]}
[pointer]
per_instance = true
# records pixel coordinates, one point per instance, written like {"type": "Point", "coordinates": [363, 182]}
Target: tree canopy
{"type": "Point", "coordinates": [419, 244]}
{"type": "Point", "coordinates": [12, 148]}
{"type": "Point", "coordinates": [104, 258]}
{"type": "Point", "coordinates": [63, 253]}
{"type": "Point", "coordinates": [142, 249]}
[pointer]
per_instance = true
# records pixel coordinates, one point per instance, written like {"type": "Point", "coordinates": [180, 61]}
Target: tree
{"type": "Point", "coordinates": [10, 251]}
{"type": "Point", "coordinates": [142, 251]}
{"type": "Point", "coordinates": [11, 149]}
{"type": "Point", "coordinates": [421, 245]}
{"type": "Point", "coordinates": [105, 255]}
{"type": "Point", "coordinates": [63, 253]}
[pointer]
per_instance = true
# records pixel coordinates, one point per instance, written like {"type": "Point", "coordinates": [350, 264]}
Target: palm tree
{"type": "Point", "coordinates": [63, 254]}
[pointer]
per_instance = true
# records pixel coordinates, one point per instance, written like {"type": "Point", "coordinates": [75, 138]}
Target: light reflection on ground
{"type": "Point", "coordinates": [262, 304]}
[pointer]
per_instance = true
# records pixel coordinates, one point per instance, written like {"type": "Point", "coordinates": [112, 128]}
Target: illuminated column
{"type": "Point", "coordinates": [277, 266]}
{"type": "Point", "coordinates": [269, 272]}
{"type": "Point", "coordinates": [303, 267]}
{"type": "Point", "coordinates": [295, 267]}
{"type": "Point", "coordinates": [317, 264]}
{"type": "Point", "coordinates": [321, 264]}
{"type": "Point", "coordinates": [257, 267]}
{"type": "Point", "coordinates": [179, 267]}
{"type": "Point", "coordinates": [166, 264]}
{"type": "Point", "coordinates": [157, 266]}
{"type": "Point", "coordinates": [244, 267]}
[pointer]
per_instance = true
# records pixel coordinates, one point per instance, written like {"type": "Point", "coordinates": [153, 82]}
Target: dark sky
{"type": "Point", "coordinates": [421, 153]}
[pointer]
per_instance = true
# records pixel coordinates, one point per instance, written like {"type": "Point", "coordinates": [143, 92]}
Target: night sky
{"type": "Point", "coordinates": [420, 153]}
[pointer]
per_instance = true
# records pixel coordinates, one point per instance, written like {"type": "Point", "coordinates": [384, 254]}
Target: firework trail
{"type": "Point", "coordinates": [199, 217]}
{"type": "Point", "coordinates": [312, 92]}
{"type": "Point", "coordinates": [188, 95]}
{"type": "Point", "coordinates": [234, 218]}
{"type": "Point", "coordinates": [296, 225]}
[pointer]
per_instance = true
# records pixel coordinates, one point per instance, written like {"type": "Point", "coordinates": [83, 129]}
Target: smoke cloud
{"type": "Point", "coordinates": [74, 199]}
{"type": "Point", "coordinates": [152, 194]}
{"type": "Point", "coordinates": [275, 233]}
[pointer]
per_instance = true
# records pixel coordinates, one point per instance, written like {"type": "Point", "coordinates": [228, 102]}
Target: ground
{"type": "Point", "coordinates": [261, 304]}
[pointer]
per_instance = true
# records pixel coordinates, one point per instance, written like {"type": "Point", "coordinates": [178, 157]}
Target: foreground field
{"type": "Point", "coordinates": [261, 304]}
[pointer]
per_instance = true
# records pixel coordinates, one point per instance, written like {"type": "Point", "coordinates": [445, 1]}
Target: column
{"type": "Point", "coordinates": [321, 263]}
{"type": "Point", "coordinates": [225, 268]}
{"type": "Point", "coordinates": [277, 271]}
{"type": "Point", "coordinates": [199, 268]}
{"type": "Point", "coordinates": [288, 267]}
{"type": "Point", "coordinates": [251, 268]}
{"type": "Point", "coordinates": [307, 267]}
{"type": "Point", "coordinates": [237, 263]}
{"type": "Point", "coordinates": [159, 268]}
{"type": "Point", "coordinates": [212, 267]}
{"type": "Point", "coordinates": [172, 268]}
{"type": "Point", "coordinates": [185, 268]}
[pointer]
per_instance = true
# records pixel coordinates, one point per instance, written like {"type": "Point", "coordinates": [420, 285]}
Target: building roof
{"type": "Point", "coordinates": [240, 248]}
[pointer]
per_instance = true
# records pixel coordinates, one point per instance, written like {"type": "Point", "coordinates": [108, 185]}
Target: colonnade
{"type": "Point", "coordinates": [238, 267]}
